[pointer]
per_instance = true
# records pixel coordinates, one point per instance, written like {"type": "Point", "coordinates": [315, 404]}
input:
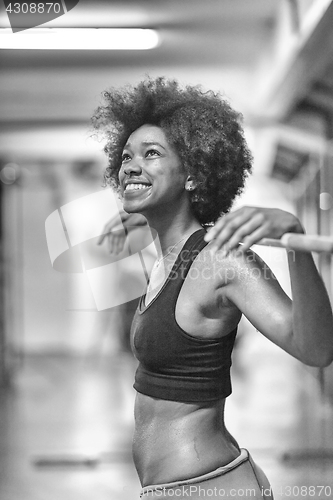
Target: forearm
{"type": "Point", "coordinates": [311, 311]}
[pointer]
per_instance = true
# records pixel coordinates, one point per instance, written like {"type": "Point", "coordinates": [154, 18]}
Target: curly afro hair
{"type": "Point", "coordinates": [202, 127]}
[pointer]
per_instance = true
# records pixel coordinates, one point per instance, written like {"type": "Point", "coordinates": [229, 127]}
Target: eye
{"type": "Point", "coordinates": [125, 157]}
{"type": "Point", "coordinates": [152, 152]}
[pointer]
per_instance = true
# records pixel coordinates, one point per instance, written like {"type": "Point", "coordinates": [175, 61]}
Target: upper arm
{"type": "Point", "coordinates": [253, 288]}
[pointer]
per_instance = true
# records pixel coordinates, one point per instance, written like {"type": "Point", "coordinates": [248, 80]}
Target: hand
{"type": "Point", "coordinates": [115, 234]}
{"type": "Point", "coordinates": [249, 225]}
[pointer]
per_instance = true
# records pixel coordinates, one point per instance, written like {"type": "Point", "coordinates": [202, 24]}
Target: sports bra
{"type": "Point", "coordinates": [173, 364]}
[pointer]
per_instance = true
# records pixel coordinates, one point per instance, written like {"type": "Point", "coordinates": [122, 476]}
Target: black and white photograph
{"type": "Point", "coordinates": [166, 241]}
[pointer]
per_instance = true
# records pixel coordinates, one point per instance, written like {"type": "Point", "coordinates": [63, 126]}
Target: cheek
{"type": "Point", "coordinates": [177, 172]}
{"type": "Point", "coordinates": [180, 178]}
{"type": "Point", "coordinates": [121, 174]}
{"type": "Point", "coordinates": [174, 181]}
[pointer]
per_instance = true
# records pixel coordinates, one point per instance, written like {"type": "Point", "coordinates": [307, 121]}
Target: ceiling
{"type": "Point", "coordinates": [268, 57]}
{"type": "Point", "coordinates": [192, 32]}
{"type": "Point", "coordinates": [216, 43]}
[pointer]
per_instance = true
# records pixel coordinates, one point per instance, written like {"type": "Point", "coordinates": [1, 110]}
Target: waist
{"type": "Point", "coordinates": [174, 440]}
{"type": "Point", "coordinates": [193, 387]}
{"type": "Point", "coordinates": [178, 485]}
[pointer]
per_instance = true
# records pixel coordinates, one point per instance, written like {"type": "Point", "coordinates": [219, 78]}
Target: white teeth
{"type": "Point", "coordinates": [132, 187]}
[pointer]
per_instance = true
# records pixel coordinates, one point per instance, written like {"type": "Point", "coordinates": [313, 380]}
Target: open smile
{"type": "Point", "coordinates": [135, 189]}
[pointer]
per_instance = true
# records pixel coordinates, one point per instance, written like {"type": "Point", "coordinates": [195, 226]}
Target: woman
{"type": "Point", "coordinates": [178, 157]}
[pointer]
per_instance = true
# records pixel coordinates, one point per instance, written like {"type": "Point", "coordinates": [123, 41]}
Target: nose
{"type": "Point", "coordinates": [132, 167]}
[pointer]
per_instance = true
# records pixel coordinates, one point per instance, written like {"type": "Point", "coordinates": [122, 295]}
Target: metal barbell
{"type": "Point", "coordinates": [301, 242]}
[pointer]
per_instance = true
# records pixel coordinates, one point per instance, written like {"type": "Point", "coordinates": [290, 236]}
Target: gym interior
{"type": "Point", "coordinates": [66, 366]}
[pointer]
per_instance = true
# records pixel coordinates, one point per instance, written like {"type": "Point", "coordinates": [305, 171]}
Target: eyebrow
{"type": "Point", "coordinates": [146, 143]}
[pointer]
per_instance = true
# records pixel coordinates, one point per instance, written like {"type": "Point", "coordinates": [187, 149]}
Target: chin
{"type": "Point", "coordinates": [131, 208]}
{"type": "Point", "coordinates": [137, 206]}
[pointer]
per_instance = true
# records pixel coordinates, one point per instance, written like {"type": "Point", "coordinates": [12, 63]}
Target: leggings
{"type": "Point", "coordinates": [240, 479]}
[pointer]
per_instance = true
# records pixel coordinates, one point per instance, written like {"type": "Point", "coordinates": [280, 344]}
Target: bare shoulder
{"type": "Point", "coordinates": [202, 305]}
{"type": "Point", "coordinates": [233, 268]}
{"type": "Point", "coordinates": [207, 277]}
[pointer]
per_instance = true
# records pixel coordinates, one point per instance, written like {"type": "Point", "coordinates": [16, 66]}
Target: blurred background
{"type": "Point", "coordinates": [66, 370]}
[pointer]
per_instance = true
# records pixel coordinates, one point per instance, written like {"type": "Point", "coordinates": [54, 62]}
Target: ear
{"type": "Point", "coordinates": [190, 184]}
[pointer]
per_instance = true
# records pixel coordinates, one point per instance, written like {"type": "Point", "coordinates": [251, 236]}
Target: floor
{"type": "Point", "coordinates": [66, 425]}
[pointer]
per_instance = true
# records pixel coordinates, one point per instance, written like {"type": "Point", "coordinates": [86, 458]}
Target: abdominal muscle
{"type": "Point", "coordinates": [176, 441]}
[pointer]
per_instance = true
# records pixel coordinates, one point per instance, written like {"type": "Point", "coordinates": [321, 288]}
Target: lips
{"type": "Point", "coordinates": [136, 186]}
{"type": "Point", "coordinates": [133, 189]}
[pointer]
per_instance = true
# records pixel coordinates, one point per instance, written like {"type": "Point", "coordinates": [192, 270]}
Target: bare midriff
{"type": "Point", "coordinates": [175, 441]}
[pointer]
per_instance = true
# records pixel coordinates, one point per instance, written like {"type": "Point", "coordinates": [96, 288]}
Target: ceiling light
{"type": "Point", "coordinates": [80, 39]}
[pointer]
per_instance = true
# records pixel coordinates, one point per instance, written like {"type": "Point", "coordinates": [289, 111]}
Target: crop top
{"type": "Point", "coordinates": [173, 364]}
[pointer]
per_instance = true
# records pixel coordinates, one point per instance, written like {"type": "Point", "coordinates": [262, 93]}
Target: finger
{"type": "Point", "coordinates": [118, 241]}
{"type": "Point", "coordinates": [123, 239]}
{"type": "Point", "coordinates": [111, 242]}
{"type": "Point", "coordinates": [106, 230]}
{"type": "Point", "coordinates": [218, 226]}
{"type": "Point", "coordinates": [230, 229]}
{"type": "Point", "coordinates": [120, 244]}
{"type": "Point", "coordinates": [243, 232]}
{"type": "Point", "coordinates": [253, 238]}
{"type": "Point", "coordinates": [116, 244]}
{"type": "Point", "coordinates": [224, 221]}
{"type": "Point", "coordinates": [112, 223]}
{"type": "Point", "coordinates": [101, 238]}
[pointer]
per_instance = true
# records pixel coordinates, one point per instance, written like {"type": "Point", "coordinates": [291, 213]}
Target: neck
{"type": "Point", "coordinates": [171, 230]}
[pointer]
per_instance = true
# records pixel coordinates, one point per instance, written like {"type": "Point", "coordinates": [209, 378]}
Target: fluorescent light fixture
{"type": "Point", "coordinates": [79, 39]}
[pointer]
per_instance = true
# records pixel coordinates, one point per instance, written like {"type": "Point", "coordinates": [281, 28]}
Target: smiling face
{"type": "Point", "coordinates": [151, 176]}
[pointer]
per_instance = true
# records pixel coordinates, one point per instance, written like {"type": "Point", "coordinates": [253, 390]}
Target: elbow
{"type": "Point", "coordinates": [318, 364]}
{"type": "Point", "coordinates": [317, 357]}
{"type": "Point", "coordinates": [326, 362]}
{"type": "Point", "coordinates": [318, 352]}
{"type": "Point", "coordinates": [320, 361]}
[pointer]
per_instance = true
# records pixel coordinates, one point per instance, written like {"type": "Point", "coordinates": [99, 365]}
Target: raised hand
{"type": "Point", "coordinates": [248, 225]}
{"type": "Point", "coordinates": [115, 234]}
